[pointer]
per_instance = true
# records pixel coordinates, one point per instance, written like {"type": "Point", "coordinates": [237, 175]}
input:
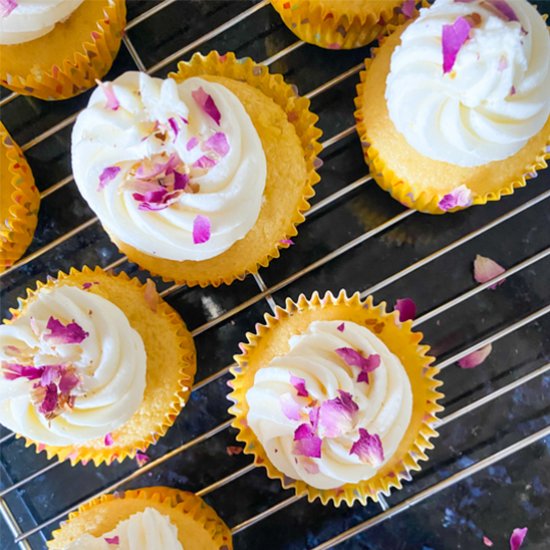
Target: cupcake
{"type": "Point", "coordinates": [453, 110]}
{"type": "Point", "coordinates": [19, 204]}
{"type": "Point", "coordinates": [55, 49]}
{"type": "Point", "coordinates": [152, 518]}
{"type": "Point", "coordinates": [342, 24]}
{"type": "Point", "coordinates": [336, 398]}
{"type": "Point", "coordinates": [94, 366]}
{"type": "Point", "coordinates": [200, 178]}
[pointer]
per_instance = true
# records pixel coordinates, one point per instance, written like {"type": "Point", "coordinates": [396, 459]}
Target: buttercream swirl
{"type": "Point", "coordinates": [384, 403]}
{"type": "Point", "coordinates": [228, 193]}
{"type": "Point", "coordinates": [495, 98]}
{"type": "Point", "coordinates": [31, 19]}
{"type": "Point", "coordinates": [147, 530]}
{"type": "Point", "coordinates": [110, 363]}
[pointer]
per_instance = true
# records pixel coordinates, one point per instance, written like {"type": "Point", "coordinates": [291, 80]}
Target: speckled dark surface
{"type": "Point", "coordinates": [513, 492]}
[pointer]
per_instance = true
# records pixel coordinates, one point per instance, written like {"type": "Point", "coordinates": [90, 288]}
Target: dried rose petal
{"type": "Point", "coordinates": [192, 143]}
{"type": "Point", "coordinates": [299, 385]}
{"type": "Point", "coordinates": [12, 371]}
{"type": "Point", "coordinates": [336, 415]}
{"type": "Point", "coordinates": [502, 9]}
{"type": "Point", "coordinates": [180, 181]}
{"type": "Point", "coordinates": [341, 327]}
{"type": "Point", "coordinates": [6, 7]}
{"type": "Point", "coordinates": [204, 162]}
{"type": "Point", "coordinates": [218, 144]}
{"type": "Point", "coordinates": [108, 440]}
{"type": "Point", "coordinates": [201, 229]}
{"type": "Point", "coordinates": [487, 541]}
{"type": "Point", "coordinates": [108, 174]}
{"type": "Point", "coordinates": [518, 535]}
{"type": "Point", "coordinates": [107, 88]}
{"type": "Point", "coordinates": [461, 196]}
{"type": "Point", "coordinates": [71, 333]}
{"type": "Point", "coordinates": [475, 358]}
{"type": "Point", "coordinates": [207, 104]}
{"type": "Point", "coordinates": [408, 8]}
{"type": "Point", "coordinates": [68, 381]}
{"type": "Point", "coordinates": [452, 39]}
{"type": "Point", "coordinates": [50, 400]}
{"type": "Point", "coordinates": [151, 295]}
{"type": "Point", "coordinates": [354, 359]}
{"type": "Point", "coordinates": [50, 373]}
{"type": "Point", "coordinates": [406, 308]}
{"type": "Point", "coordinates": [368, 448]}
{"type": "Point", "coordinates": [309, 466]}
{"type": "Point", "coordinates": [112, 540]}
{"type": "Point", "coordinates": [174, 125]}
{"type": "Point", "coordinates": [289, 242]}
{"type": "Point", "coordinates": [233, 450]}
{"type": "Point", "coordinates": [306, 442]}
{"type": "Point", "coordinates": [314, 417]}
{"type": "Point", "coordinates": [142, 459]}
{"type": "Point", "coordinates": [290, 407]}
{"type": "Point", "coordinates": [486, 269]}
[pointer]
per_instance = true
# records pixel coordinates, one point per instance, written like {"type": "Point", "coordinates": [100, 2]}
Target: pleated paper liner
{"type": "Point", "coordinates": [419, 182]}
{"type": "Point", "coordinates": [198, 525]}
{"type": "Point", "coordinates": [20, 201]}
{"type": "Point", "coordinates": [343, 24]}
{"type": "Point", "coordinates": [274, 107]}
{"type": "Point", "coordinates": [271, 340]}
{"type": "Point", "coordinates": [68, 60]}
{"type": "Point", "coordinates": [171, 364]}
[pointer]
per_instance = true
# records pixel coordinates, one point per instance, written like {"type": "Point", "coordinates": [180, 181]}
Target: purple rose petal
{"type": "Point", "coordinates": [72, 333]}
{"type": "Point", "coordinates": [192, 143]}
{"type": "Point", "coordinates": [452, 39]}
{"type": "Point", "coordinates": [50, 400]}
{"type": "Point", "coordinates": [461, 196]}
{"type": "Point", "coordinates": [201, 229]}
{"type": "Point", "coordinates": [336, 416]}
{"type": "Point", "coordinates": [406, 308]}
{"type": "Point", "coordinates": [341, 327]}
{"type": "Point", "coordinates": [354, 359]}
{"type": "Point", "coordinates": [408, 8]}
{"type": "Point", "coordinates": [486, 269]}
{"type": "Point", "coordinates": [6, 7]}
{"type": "Point", "coordinates": [299, 385]}
{"type": "Point", "coordinates": [368, 448]}
{"type": "Point", "coordinates": [517, 538]}
{"type": "Point", "coordinates": [12, 371]}
{"type": "Point", "coordinates": [108, 174]}
{"type": "Point", "coordinates": [218, 144]}
{"type": "Point", "coordinates": [207, 104]}
{"type": "Point", "coordinates": [108, 440]}
{"type": "Point", "coordinates": [204, 162]}
{"type": "Point", "coordinates": [142, 459]}
{"type": "Point", "coordinates": [306, 442]}
{"type": "Point", "coordinates": [110, 96]}
{"type": "Point", "coordinates": [475, 358]}
{"type": "Point", "coordinates": [289, 242]}
{"type": "Point", "coordinates": [112, 540]}
{"type": "Point", "coordinates": [290, 407]}
{"type": "Point", "coordinates": [502, 9]}
{"type": "Point", "coordinates": [487, 541]}
{"type": "Point", "coordinates": [174, 125]}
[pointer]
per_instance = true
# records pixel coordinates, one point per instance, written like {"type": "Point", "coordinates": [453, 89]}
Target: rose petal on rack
{"type": "Point", "coordinates": [12, 371]}
{"type": "Point", "coordinates": [192, 143]}
{"type": "Point", "coordinates": [336, 416]}
{"type": "Point", "coordinates": [218, 144]}
{"type": "Point", "coordinates": [341, 327]}
{"type": "Point", "coordinates": [368, 448]}
{"type": "Point", "coordinates": [204, 162]}
{"type": "Point", "coordinates": [112, 540]}
{"type": "Point", "coordinates": [110, 96]}
{"type": "Point", "coordinates": [517, 538]}
{"type": "Point", "coordinates": [233, 450]}
{"type": "Point", "coordinates": [486, 269]}
{"type": "Point", "coordinates": [408, 8]}
{"type": "Point", "coordinates": [307, 442]}
{"type": "Point", "coordinates": [108, 440]}
{"type": "Point", "coordinates": [461, 196]}
{"type": "Point", "coordinates": [6, 7]}
{"type": "Point", "coordinates": [406, 308]}
{"type": "Point", "coordinates": [487, 541]}
{"type": "Point", "coordinates": [71, 333]}
{"type": "Point", "coordinates": [201, 229]}
{"type": "Point", "coordinates": [207, 104]}
{"type": "Point", "coordinates": [475, 358]}
{"type": "Point", "coordinates": [299, 385]}
{"type": "Point", "coordinates": [290, 407]}
{"type": "Point", "coordinates": [108, 174]}
{"type": "Point", "coordinates": [142, 458]}
{"type": "Point", "coordinates": [453, 38]}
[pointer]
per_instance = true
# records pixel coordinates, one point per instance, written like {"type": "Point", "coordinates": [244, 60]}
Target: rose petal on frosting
{"type": "Point", "coordinates": [341, 327]}
{"type": "Point", "coordinates": [354, 359]}
{"type": "Point", "coordinates": [314, 417]}
{"type": "Point", "coordinates": [502, 9]}
{"type": "Point", "coordinates": [108, 440]}
{"type": "Point", "coordinates": [108, 174]}
{"type": "Point", "coordinates": [306, 442]}
{"type": "Point", "coordinates": [218, 144]}
{"type": "Point", "coordinates": [12, 371]}
{"type": "Point", "coordinates": [310, 466]}
{"type": "Point", "coordinates": [408, 8]}
{"type": "Point", "coordinates": [71, 333]}
{"type": "Point", "coordinates": [174, 126]}
{"type": "Point", "coordinates": [50, 373]}
{"type": "Point", "coordinates": [112, 540]}
{"type": "Point", "coordinates": [368, 448]}
{"type": "Point", "coordinates": [201, 229]}
{"type": "Point", "coordinates": [461, 196]}
{"type": "Point", "coordinates": [475, 358]}
{"type": "Point", "coordinates": [233, 450]}
{"type": "Point", "coordinates": [517, 538]}
{"type": "Point", "coordinates": [142, 458]}
{"type": "Point", "coordinates": [336, 415]}
{"type": "Point", "coordinates": [6, 7]}
{"type": "Point", "coordinates": [192, 143]}
{"type": "Point", "coordinates": [486, 269]}
{"type": "Point", "coordinates": [207, 104]}
{"type": "Point", "coordinates": [67, 382]}
{"type": "Point", "coordinates": [299, 385]}
{"type": "Point", "coordinates": [204, 162]}
{"type": "Point", "coordinates": [406, 308]}
{"type": "Point", "coordinates": [452, 39]}
{"type": "Point", "coordinates": [50, 400]}
{"type": "Point", "coordinates": [290, 407]}
{"type": "Point", "coordinates": [110, 96]}
{"type": "Point", "coordinates": [487, 541]}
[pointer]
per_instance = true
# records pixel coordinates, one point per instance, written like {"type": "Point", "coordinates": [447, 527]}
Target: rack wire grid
{"type": "Point", "coordinates": [489, 471]}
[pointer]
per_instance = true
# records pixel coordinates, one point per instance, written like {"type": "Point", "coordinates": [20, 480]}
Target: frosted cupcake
{"type": "Point", "coordinates": [93, 367]}
{"type": "Point", "coordinates": [202, 177]}
{"type": "Point", "coordinates": [335, 398]}
{"type": "Point", "coordinates": [55, 49]}
{"type": "Point", "coordinates": [454, 108]}
{"type": "Point", "coordinates": [152, 518]}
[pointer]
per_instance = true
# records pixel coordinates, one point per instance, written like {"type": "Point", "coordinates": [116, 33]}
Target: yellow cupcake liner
{"type": "Point", "coordinates": [303, 120]}
{"type": "Point", "coordinates": [331, 26]}
{"type": "Point", "coordinates": [93, 517]}
{"type": "Point", "coordinates": [126, 443]}
{"type": "Point", "coordinates": [266, 343]}
{"type": "Point", "coordinates": [17, 230]}
{"type": "Point", "coordinates": [77, 72]}
{"type": "Point", "coordinates": [408, 194]}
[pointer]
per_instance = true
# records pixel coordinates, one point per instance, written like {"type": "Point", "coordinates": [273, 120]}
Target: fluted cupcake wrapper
{"type": "Point", "coordinates": [166, 500]}
{"type": "Point", "coordinates": [145, 427]}
{"type": "Point", "coordinates": [261, 347]}
{"type": "Point", "coordinates": [77, 72]}
{"type": "Point", "coordinates": [17, 230]}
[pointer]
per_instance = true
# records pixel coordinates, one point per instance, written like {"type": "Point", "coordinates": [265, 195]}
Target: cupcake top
{"type": "Point", "coordinates": [72, 368]}
{"type": "Point", "coordinates": [470, 82]}
{"type": "Point", "coordinates": [25, 20]}
{"type": "Point", "coordinates": [334, 409]}
{"type": "Point", "coordinates": [147, 530]}
{"type": "Point", "coordinates": [175, 170]}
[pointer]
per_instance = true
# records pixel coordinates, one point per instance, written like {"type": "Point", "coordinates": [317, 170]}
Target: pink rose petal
{"type": "Point", "coordinates": [67, 382]}
{"type": "Point", "coordinates": [192, 143]}
{"type": "Point", "coordinates": [50, 400]}
{"type": "Point", "coordinates": [201, 229]}
{"type": "Point", "coordinates": [502, 9]}
{"type": "Point", "coordinates": [336, 416]}
{"type": "Point", "coordinates": [207, 104]}
{"type": "Point", "coordinates": [289, 242]}
{"type": "Point", "coordinates": [475, 358]}
{"type": "Point", "coordinates": [50, 373]}
{"type": "Point", "coordinates": [290, 407]}
{"type": "Point", "coordinates": [486, 269]}
{"type": "Point", "coordinates": [71, 333]}
{"type": "Point", "coordinates": [310, 466]}
{"type": "Point", "coordinates": [406, 308]}
{"type": "Point", "coordinates": [368, 448]}
{"type": "Point", "coordinates": [174, 125]}
{"type": "Point", "coordinates": [112, 540]}
{"type": "Point", "coordinates": [108, 174]}
{"type": "Point", "coordinates": [354, 359]}
{"type": "Point", "coordinates": [107, 88]}
{"type": "Point", "coordinates": [314, 417]}
{"type": "Point", "coordinates": [299, 385]}
{"type": "Point", "coordinates": [233, 450]}
{"type": "Point", "coordinates": [487, 541]}
{"type": "Point", "coordinates": [341, 327]}
{"type": "Point", "coordinates": [218, 144]}
{"type": "Point", "coordinates": [306, 442]}
{"type": "Point", "coordinates": [461, 196]}
{"type": "Point", "coordinates": [6, 7]}
{"type": "Point", "coordinates": [108, 440]}
{"type": "Point", "coordinates": [12, 371]}
{"type": "Point", "coordinates": [516, 540]}
{"type": "Point", "coordinates": [142, 459]}
{"type": "Point", "coordinates": [408, 8]}
{"type": "Point", "coordinates": [204, 162]}
{"type": "Point", "coordinates": [452, 39]}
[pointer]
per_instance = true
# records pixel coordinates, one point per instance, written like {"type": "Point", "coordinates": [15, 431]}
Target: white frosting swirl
{"type": "Point", "coordinates": [496, 97]}
{"type": "Point", "coordinates": [147, 530]}
{"type": "Point", "coordinates": [110, 362]}
{"type": "Point", "coordinates": [230, 194]}
{"type": "Point", "coordinates": [34, 18]}
{"type": "Point", "coordinates": [385, 403]}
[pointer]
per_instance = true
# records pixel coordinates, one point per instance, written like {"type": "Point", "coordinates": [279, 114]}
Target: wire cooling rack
{"type": "Point", "coordinates": [490, 469]}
